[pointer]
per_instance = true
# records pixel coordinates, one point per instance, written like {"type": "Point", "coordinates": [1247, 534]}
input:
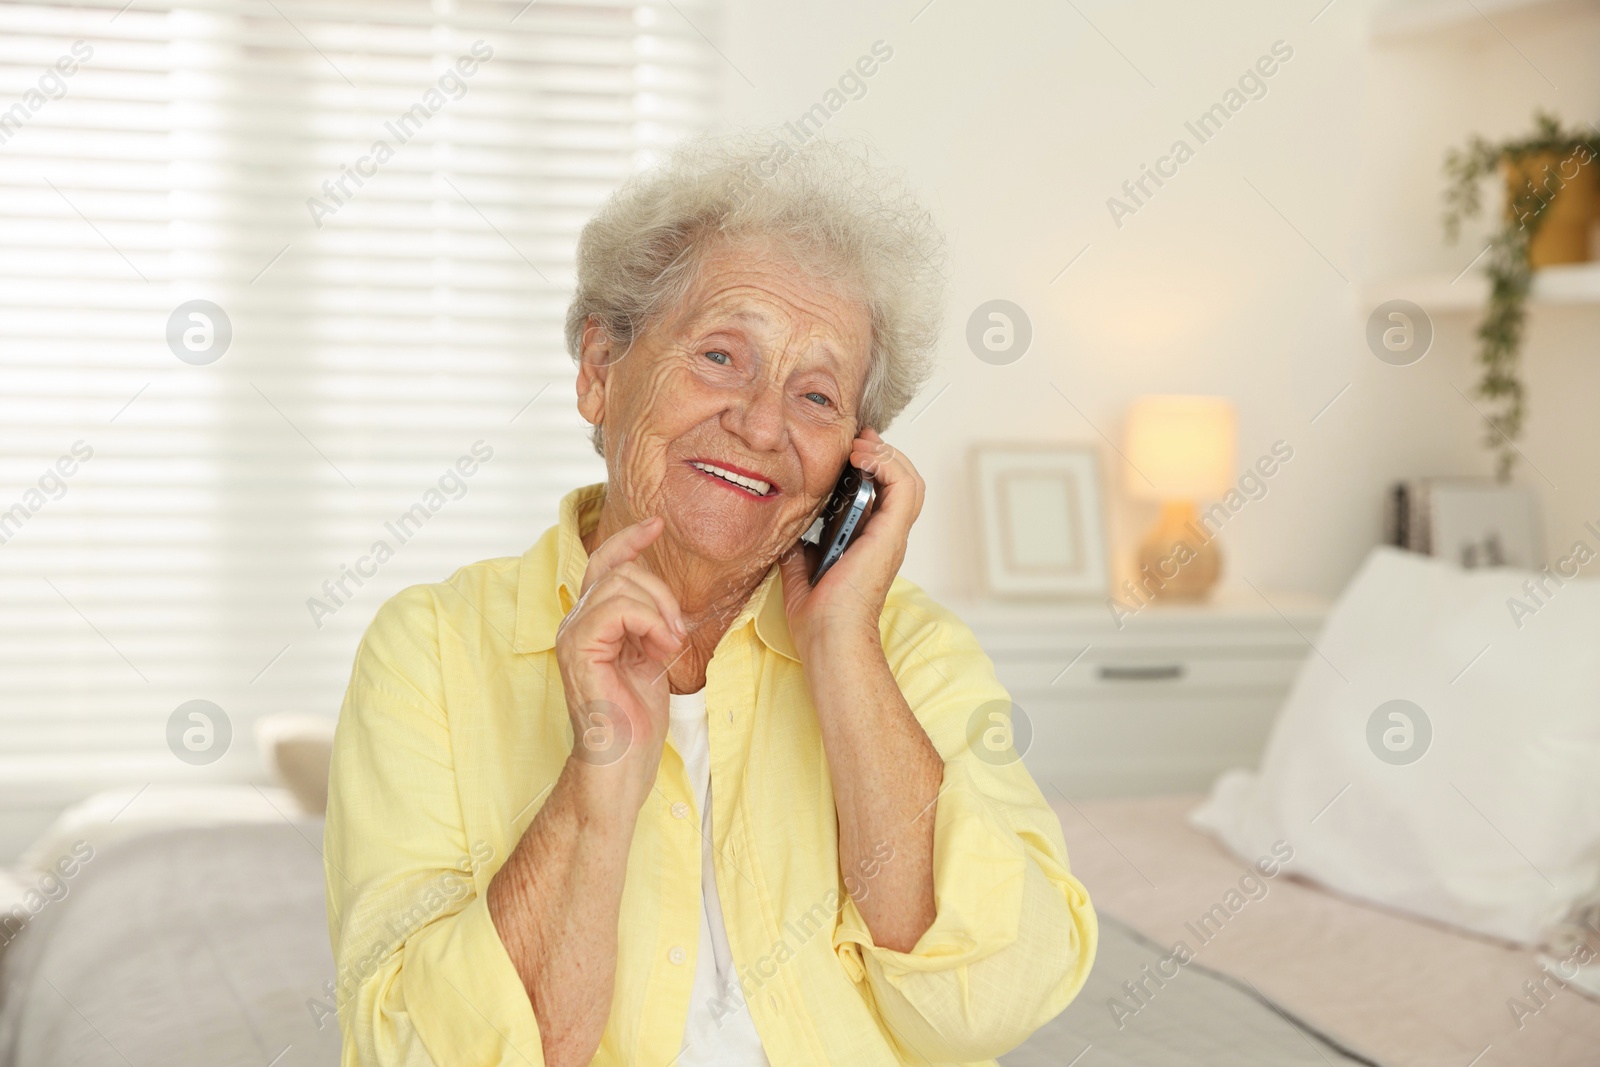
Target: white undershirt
{"type": "Point", "coordinates": [715, 1035]}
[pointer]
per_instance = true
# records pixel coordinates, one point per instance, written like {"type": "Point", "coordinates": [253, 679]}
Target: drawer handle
{"type": "Point", "coordinates": [1158, 672]}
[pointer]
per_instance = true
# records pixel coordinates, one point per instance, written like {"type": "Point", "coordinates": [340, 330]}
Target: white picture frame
{"type": "Point", "coordinates": [1041, 519]}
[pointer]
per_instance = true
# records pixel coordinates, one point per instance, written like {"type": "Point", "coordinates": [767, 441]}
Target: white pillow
{"type": "Point", "coordinates": [1496, 827]}
{"type": "Point", "coordinates": [118, 814]}
{"type": "Point", "coordinates": [298, 750]}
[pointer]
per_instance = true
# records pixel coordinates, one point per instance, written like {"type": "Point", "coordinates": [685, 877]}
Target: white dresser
{"type": "Point", "coordinates": [1176, 695]}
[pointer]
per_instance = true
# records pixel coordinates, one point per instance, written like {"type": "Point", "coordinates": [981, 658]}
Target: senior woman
{"type": "Point", "coordinates": [645, 795]}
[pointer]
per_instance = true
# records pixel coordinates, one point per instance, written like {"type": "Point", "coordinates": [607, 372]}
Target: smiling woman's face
{"type": "Point", "coordinates": [758, 375]}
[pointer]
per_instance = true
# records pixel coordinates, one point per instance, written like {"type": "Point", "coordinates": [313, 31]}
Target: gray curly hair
{"type": "Point", "coordinates": [836, 215]}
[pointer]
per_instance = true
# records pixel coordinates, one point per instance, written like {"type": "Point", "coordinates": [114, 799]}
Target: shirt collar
{"type": "Point", "coordinates": [552, 576]}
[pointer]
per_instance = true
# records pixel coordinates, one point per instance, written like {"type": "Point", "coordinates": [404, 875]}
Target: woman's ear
{"type": "Point", "coordinates": [594, 367]}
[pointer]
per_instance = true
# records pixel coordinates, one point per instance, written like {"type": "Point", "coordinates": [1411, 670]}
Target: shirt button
{"type": "Point", "coordinates": [676, 954]}
{"type": "Point", "coordinates": [680, 810]}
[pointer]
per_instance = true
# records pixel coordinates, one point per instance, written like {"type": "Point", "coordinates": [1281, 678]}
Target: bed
{"type": "Point", "coordinates": [138, 965]}
{"type": "Point", "coordinates": [1382, 987]}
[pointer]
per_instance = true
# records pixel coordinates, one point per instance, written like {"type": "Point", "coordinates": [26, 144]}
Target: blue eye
{"type": "Point", "coordinates": [720, 358]}
{"type": "Point", "coordinates": [818, 397]}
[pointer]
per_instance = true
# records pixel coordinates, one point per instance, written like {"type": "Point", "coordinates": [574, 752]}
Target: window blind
{"type": "Point", "coordinates": [281, 296]}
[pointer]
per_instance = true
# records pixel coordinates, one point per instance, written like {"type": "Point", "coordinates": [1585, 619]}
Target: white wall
{"type": "Point", "coordinates": [1018, 120]}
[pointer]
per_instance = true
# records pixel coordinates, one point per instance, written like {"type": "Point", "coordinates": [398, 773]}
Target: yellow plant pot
{"type": "Point", "coordinates": [1569, 183]}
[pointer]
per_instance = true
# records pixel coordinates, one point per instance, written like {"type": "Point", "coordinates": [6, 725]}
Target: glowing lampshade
{"type": "Point", "coordinates": [1184, 445]}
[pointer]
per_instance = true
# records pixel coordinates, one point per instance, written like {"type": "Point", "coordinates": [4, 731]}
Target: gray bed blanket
{"type": "Point", "coordinates": [186, 948]}
{"type": "Point", "coordinates": [209, 948]}
{"type": "Point", "coordinates": [1195, 1018]}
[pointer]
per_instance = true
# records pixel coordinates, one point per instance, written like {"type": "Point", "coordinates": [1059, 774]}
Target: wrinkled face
{"type": "Point", "coordinates": [732, 417]}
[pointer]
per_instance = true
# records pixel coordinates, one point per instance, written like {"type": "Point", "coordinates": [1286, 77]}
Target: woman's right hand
{"type": "Point", "coordinates": [613, 649]}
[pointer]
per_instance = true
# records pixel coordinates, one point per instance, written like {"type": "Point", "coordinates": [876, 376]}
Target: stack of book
{"type": "Point", "coordinates": [1472, 522]}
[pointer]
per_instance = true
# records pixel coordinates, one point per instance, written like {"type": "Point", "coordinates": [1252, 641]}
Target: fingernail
{"type": "Point", "coordinates": [677, 624]}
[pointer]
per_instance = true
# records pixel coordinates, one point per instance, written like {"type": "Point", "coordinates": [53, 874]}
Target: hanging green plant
{"type": "Point", "coordinates": [1552, 198]}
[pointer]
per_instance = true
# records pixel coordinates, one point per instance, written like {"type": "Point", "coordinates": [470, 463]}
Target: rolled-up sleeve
{"type": "Point", "coordinates": [1014, 933]}
{"type": "Point", "coordinates": [421, 975]}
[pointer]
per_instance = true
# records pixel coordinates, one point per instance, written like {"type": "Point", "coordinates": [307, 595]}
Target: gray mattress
{"type": "Point", "coordinates": [1198, 1018]}
{"type": "Point", "coordinates": [186, 948]}
{"type": "Point", "coordinates": [209, 947]}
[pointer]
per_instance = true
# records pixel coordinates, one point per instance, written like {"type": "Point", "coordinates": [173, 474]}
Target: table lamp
{"type": "Point", "coordinates": [1182, 451]}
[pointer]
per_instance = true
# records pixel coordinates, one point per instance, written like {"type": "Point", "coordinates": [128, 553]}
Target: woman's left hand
{"type": "Point", "coordinates": [850, 598]}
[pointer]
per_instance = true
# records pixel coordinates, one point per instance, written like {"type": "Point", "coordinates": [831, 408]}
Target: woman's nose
{"type": "Point", "coordinates": [757, 416]}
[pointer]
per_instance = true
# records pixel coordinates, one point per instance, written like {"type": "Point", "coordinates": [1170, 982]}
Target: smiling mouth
{"type": "Point", "coordinates": [749, 484]}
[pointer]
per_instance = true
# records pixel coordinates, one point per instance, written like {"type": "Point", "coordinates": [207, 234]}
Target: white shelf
{"type": "Point", "coordinates": [1574, 284]}
{"type": "Point", "coordinates": [1230, 614]}
{"type": "Point", "coordinates": [1411, 20]}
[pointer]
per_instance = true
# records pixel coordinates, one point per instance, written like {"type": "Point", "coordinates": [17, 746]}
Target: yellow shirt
{"type": "Point", "coordinates": [454, 730]}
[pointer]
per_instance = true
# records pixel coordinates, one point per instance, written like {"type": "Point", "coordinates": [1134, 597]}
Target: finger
{"type": "Point", "coordinates": [871, 444]}
{"type": "Point", "coordinates": [631, 579]}
{"type": "Point", "coordinates": [609, 622]}
{"type": "Point", "coordinates": [794, 570]}
{"type": "Point", "coordinates": [622, 547]}
{"type": "Point", "coordinates": [883, 463]}
{"type": "Point", "coordinates": [665, 600]}
{"type": "Point", "coordinates": [900, 487]}
{"type": "Point", "coordinates": [656, 638]}
{"type": "Point", "coordinates": [870, 452]}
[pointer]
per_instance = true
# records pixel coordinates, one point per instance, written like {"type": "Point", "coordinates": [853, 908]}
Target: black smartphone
{"type": "Point", "coordinates": [842, 517]}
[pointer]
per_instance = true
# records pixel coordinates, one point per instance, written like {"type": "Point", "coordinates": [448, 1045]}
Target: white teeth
{"type": "Point", "coordinates": [755, 485]}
